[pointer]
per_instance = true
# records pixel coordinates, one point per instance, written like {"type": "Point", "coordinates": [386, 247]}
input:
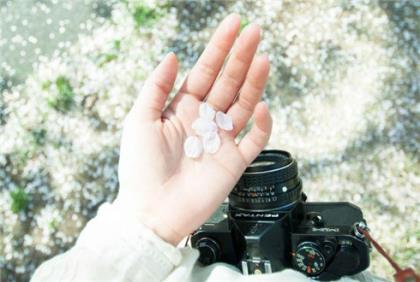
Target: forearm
{"type": "Point", "coordinates": [113, 246]}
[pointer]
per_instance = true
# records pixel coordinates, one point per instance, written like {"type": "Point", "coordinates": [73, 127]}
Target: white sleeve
{"type": "Point", "coordinates": [112, 247]}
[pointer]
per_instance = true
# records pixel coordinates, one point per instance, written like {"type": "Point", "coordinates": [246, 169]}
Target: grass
{"type": "Point", "coordinates": [64, 99]}
{"type": "Point", "coordinates": [39, 136]}
{"type": "Point", "coordinates": [106, 58]}
{"type": "Point", "coordinates": [144, 16]}
{"type": "Point", "coordinates": [19, 200]}
{"type": "Point", "coordinates": [244, 23]}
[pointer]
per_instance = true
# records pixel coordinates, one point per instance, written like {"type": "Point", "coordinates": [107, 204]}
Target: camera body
{"type": "Point", "coordinates": [268, 226]}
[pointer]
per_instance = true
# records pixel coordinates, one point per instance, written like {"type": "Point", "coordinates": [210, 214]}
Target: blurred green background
{"type": "Point", "coordinates": [343, 91]}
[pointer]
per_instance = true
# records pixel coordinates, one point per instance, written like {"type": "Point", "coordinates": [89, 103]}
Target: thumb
{"type": "Point", "coordinates": [151, 100]}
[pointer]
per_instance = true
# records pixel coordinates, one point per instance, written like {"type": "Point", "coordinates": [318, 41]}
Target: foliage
{"type": "Point", "coordinates": [39, 136]}
{"type": "Point", "coordinates": [19, 200]}
{"type": "Point", "coordinates": [64, 98]}
{"type": "Point", "coordinates": [244, 23]}
{"type": "Point", "coordinates": [144, 15]}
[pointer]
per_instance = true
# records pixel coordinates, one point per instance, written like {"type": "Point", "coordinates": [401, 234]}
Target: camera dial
{"type": "Point", "coordinates": [309, 259]}
{"type": "Point", "coordinates": [209, 250]}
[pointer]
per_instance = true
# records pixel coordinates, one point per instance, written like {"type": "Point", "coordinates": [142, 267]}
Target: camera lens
{"type": "Point", "coordinates": [270, 182]}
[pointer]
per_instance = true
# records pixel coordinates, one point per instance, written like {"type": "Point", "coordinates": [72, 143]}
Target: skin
{"type": "Point", "coordinates": [168, 192]}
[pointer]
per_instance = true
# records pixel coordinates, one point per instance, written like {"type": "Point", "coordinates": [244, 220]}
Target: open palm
{"type": "Point", "coordinates": [174, 194]}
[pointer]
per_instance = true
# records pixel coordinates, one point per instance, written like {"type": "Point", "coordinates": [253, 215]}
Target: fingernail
{"type": "Point", "coordinates": [169, 54]}
{"type": "Point", "coordinates": [252, 26]}
{"type": "Point", "coordinates": [165, 61]}
{"type": "Point", "coordinates": [264, 57]}
{"type": "Point", "coordinates": [231, 19]}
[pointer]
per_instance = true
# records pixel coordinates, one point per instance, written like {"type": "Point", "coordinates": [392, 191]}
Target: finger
{"type": "Point", "coordinates": [227, 86]}
{"type": "Point", "coordinates": [251, 92]}
{"type": "Point", "coordinates": [256, 139]}
{"type": "Point", "coordinates": [205, 71]}
{"type": "Point", "coordinates": [157, 88]}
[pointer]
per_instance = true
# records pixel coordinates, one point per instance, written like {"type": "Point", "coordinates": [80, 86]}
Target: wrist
{"type": "Point", "coordinates": [162, 230]}
{"type": "Point", "coordinates": [149, 219]}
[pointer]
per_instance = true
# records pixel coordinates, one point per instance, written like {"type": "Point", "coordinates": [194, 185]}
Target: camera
{"type": "Point", "coordinates": [268, 226]}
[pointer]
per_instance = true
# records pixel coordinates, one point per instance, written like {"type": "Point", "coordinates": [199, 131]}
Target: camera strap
{"type": "Point", "coordinates": [401, 275]}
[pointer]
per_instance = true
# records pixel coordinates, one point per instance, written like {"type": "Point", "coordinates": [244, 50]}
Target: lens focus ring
{"type": "Point", "coordinates": [270, 182]}
{"type": "Point", "coordinates": [283, 168]}
{"type": "Point", "coordinates": [276, 201]}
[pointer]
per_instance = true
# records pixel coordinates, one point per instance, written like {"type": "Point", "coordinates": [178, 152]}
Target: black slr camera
{"type": "Point", "coordinates": [267, 226]}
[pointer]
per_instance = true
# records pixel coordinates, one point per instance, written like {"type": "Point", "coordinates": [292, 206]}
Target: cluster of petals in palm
{"type": "Point", "coordinates": [206, 127]}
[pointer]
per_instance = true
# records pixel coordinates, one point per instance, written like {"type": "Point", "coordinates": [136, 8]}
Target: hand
{"type": "Point", "coordinates": [171, 193]}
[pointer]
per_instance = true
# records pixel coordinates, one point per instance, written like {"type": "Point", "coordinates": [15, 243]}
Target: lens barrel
{"type": "Point", "coordinates": [270, 182]}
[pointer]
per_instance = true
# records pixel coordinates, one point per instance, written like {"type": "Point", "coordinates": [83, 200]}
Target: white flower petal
{"type": "Point", "coordinates": [224, 121]}
{"type": "Point", "coordinates": [202, 126]}
{"type": "Point", "coordinates": [193, 147]}
{"type": "Point", "coordinates": [211, 142]}
{"type": "Point", "coordinates": [206, 111]}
